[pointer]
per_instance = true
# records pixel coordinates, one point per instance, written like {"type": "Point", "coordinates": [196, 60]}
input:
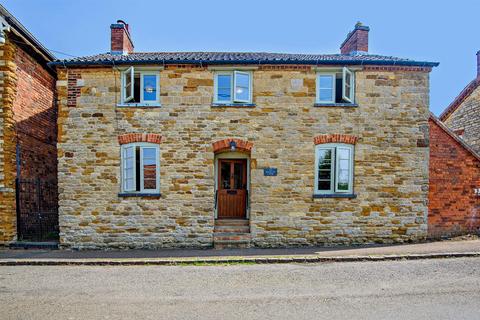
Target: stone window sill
{"type": "Point", "coordinates": [142, 195]}
{"type": "Point", "coordinates": [138, 105]}
{"type": "Point", "coordinates": [233, 105]}
{"type": "Point", "coordinates": [335, 195]}
{"type": "Point", "coordinates": [342, 105]}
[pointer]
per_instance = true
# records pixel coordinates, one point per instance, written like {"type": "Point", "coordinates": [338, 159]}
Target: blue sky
{"type": "Point", "coordinates": [443, 31]}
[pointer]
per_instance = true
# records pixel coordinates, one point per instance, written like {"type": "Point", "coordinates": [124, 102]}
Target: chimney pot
{"type": "Point", "coordinates": [356, 41]}
{"type": "Point", "coordinates": [120, 40]}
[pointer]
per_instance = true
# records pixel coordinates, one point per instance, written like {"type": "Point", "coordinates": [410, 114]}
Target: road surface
{"type": "Point", "coordinates": [423, 289]}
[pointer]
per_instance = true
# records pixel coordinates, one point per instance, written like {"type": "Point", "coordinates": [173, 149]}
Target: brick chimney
{"type": "Point", "coordinates": [478, 64]}
{"type": "Point", "coordinates": [120, 41]}
{"type": "Point", "coordinates": [356, 41]}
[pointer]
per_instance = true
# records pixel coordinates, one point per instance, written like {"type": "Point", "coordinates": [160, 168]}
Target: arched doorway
{"type": "Point", "coordinates": [232, 179]}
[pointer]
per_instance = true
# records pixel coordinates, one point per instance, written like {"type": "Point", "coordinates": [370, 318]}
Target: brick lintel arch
{"type": "Point", "coordinates": [224, 145]}
{"type": "Point", "coordinates": [335, 138]}
{"type": "Point", "coordinates": [139, 137]}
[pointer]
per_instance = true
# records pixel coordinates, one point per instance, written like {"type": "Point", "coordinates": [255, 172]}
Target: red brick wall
{"type": "Point", "coordinates": [357, 40]}
{"type": "Point", "coordinates": [120, 40]}
{"type": "Point", "coordinates": [454, 174]}
{"type": "Point", "coordinates": [35, 117]}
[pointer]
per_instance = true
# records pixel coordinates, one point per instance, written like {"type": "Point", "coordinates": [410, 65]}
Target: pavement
{"type": "Point", "coordinates": [413, 289]}
{"type": "Point", "coordinates": [427, 250]}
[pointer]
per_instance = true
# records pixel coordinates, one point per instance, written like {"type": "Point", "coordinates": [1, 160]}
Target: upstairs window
{"type": "Point", "coordinates": [140, 87]}
{"type": "Point", "coordinates": [232, 87]}
{"type": "Point", "coordinates": [333, 168]}
{"type": "Point", "coordinates": [140, 168]}
{"type": "Point", "coordinates": [335, 87]}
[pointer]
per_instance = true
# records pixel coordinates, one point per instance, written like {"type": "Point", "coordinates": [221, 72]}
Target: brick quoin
{"type": "Point", "coordinates": [73, 91]}
{"type": "Point", "coordinates": [139, 137]}
{"type": "Point", "coordinates": [453, 208]}
{"type": "Point", "coordinates": [224, 145]}
{"type": "Point", "coordinates": [335, 138]}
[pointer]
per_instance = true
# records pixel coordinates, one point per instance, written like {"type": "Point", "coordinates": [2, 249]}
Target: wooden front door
{"type": "Point", "coordinates": [232, 188]}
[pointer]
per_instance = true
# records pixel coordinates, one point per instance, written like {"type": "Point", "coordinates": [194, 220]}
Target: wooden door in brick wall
{"type": "Point", "coordinates": [232, 189]}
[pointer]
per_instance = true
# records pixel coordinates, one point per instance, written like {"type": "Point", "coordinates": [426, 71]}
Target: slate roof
{"type": "Point", "coordinates": [239, 58]}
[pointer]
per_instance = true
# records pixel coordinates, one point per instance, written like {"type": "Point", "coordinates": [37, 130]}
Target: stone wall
{"type": "Point", "coordinates": [391, 159]}
{"type": "Point", "coordinates": [27, 119]}
{"type": "Point", "coordinates": [466, 117]}
{"type": "Point", "coordinates": [454, 175]}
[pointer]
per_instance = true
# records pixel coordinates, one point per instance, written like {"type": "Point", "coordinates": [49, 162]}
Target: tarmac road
{"type": "Point", "coordinates": [423, 289]}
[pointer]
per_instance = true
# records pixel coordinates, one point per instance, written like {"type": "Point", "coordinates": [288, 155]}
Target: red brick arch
{"type": "Point", "coordinates": [224, 145]}
{"type": "Point", "coordinates": [139, 137]}
{"type": "Point", "coordinates": [335, 138]}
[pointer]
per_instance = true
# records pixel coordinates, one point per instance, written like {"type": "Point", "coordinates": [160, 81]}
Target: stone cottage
{"type": "Point", "coordinates": [201, 149]}
{"type": "Point", "coordinates": [28, 154]}
{"type": "Point", "coordinates": [463, 114]}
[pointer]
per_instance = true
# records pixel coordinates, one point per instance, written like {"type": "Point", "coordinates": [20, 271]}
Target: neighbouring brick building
{"type": "Point", "coordinates": [196, 149]}
{"type": "Point", "coordinates": [454, 207]}
{"type": "Point", "coordinates": [462, 116]}
{"type": "Point", "coordinates": [27, 132]}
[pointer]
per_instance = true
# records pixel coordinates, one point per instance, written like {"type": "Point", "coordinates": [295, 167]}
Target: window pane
{"type": "Point", "coordinates": [149, 156]}
{"type": "Point", "coordinates": [238, 176]}
{"type": "Point", "coordinates": [343, 153]}
{"type": "Point", "coordinates": [149, 153]}
{"type": "Point", "coordinates": [150, 87]}
{"type": "Point", "coordinates": [324, 169]}
{"type": "Point", "coordinates": [224, 87]}
{"type": "Point", "coordinates": [324, 174]}
{"type": "Point", "coordinates": [225, 175]}
{"type": "Point", "coordinates": [324, 185]}
{"type": "Point", "coordinates": [326, 95]}
{"type": "Point", "coordinates": [325, 81]}
{"type": "Point", "coordinates": [242, 82]}
{"type": "Point", "coordinates": [343, 174]}
{"type": "Point", "coordinates": [129, 184]}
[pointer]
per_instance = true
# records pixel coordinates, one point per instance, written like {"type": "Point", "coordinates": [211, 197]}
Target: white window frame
{"type": "Point", "coordinates": [131, 72]}
{"type": "Point", "coordinates": [142, 145]}
{"type": "Point", "coordinates": [233, 83]}
{"type": "Point", "coordinates": [335, 165]}
{"type": "Point", "coordinates": [334, 77]}
{"type": "Point", "coordinates": [346, 71]}
{"type": "Point", "coordinates": [215, 87]}
{"type": "Point", "coordinates": [127, 100]}
{"type": "Point", "coordinates": [333, 72]}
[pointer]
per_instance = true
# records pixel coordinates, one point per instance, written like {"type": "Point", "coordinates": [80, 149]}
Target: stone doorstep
{"type": "Point", "coordinates": [231, 234]}
{"type": "Point", "coordinates": [232, 222]}
{"type": "Point", "coordinates": [244, 229]}
{"type": "Point", "coordinates": [232, 259]}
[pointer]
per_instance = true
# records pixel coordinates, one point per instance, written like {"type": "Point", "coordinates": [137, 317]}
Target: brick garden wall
{"type": "Point", "coordinates": [391, 159]}
{"type": "Point", "coordinates": [35, 118]}
{"type": "Point", "coordinates": [454, 174]}
{"type": "Point", "coordinates": [27, 118]}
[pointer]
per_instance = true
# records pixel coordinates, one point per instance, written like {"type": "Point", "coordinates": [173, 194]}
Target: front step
{"type": "Point", "coordinates": [231, 234]}
{"type": "Point", "coordinates": [232, 222]}
{"type": "Point", "coordinates": [240, 229]}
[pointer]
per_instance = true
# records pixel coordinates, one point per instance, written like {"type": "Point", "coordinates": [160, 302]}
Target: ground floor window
{"type": "Point", "coordinates": [140, 168]}
{"type": "Point", "coordinates": [333, 168]}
